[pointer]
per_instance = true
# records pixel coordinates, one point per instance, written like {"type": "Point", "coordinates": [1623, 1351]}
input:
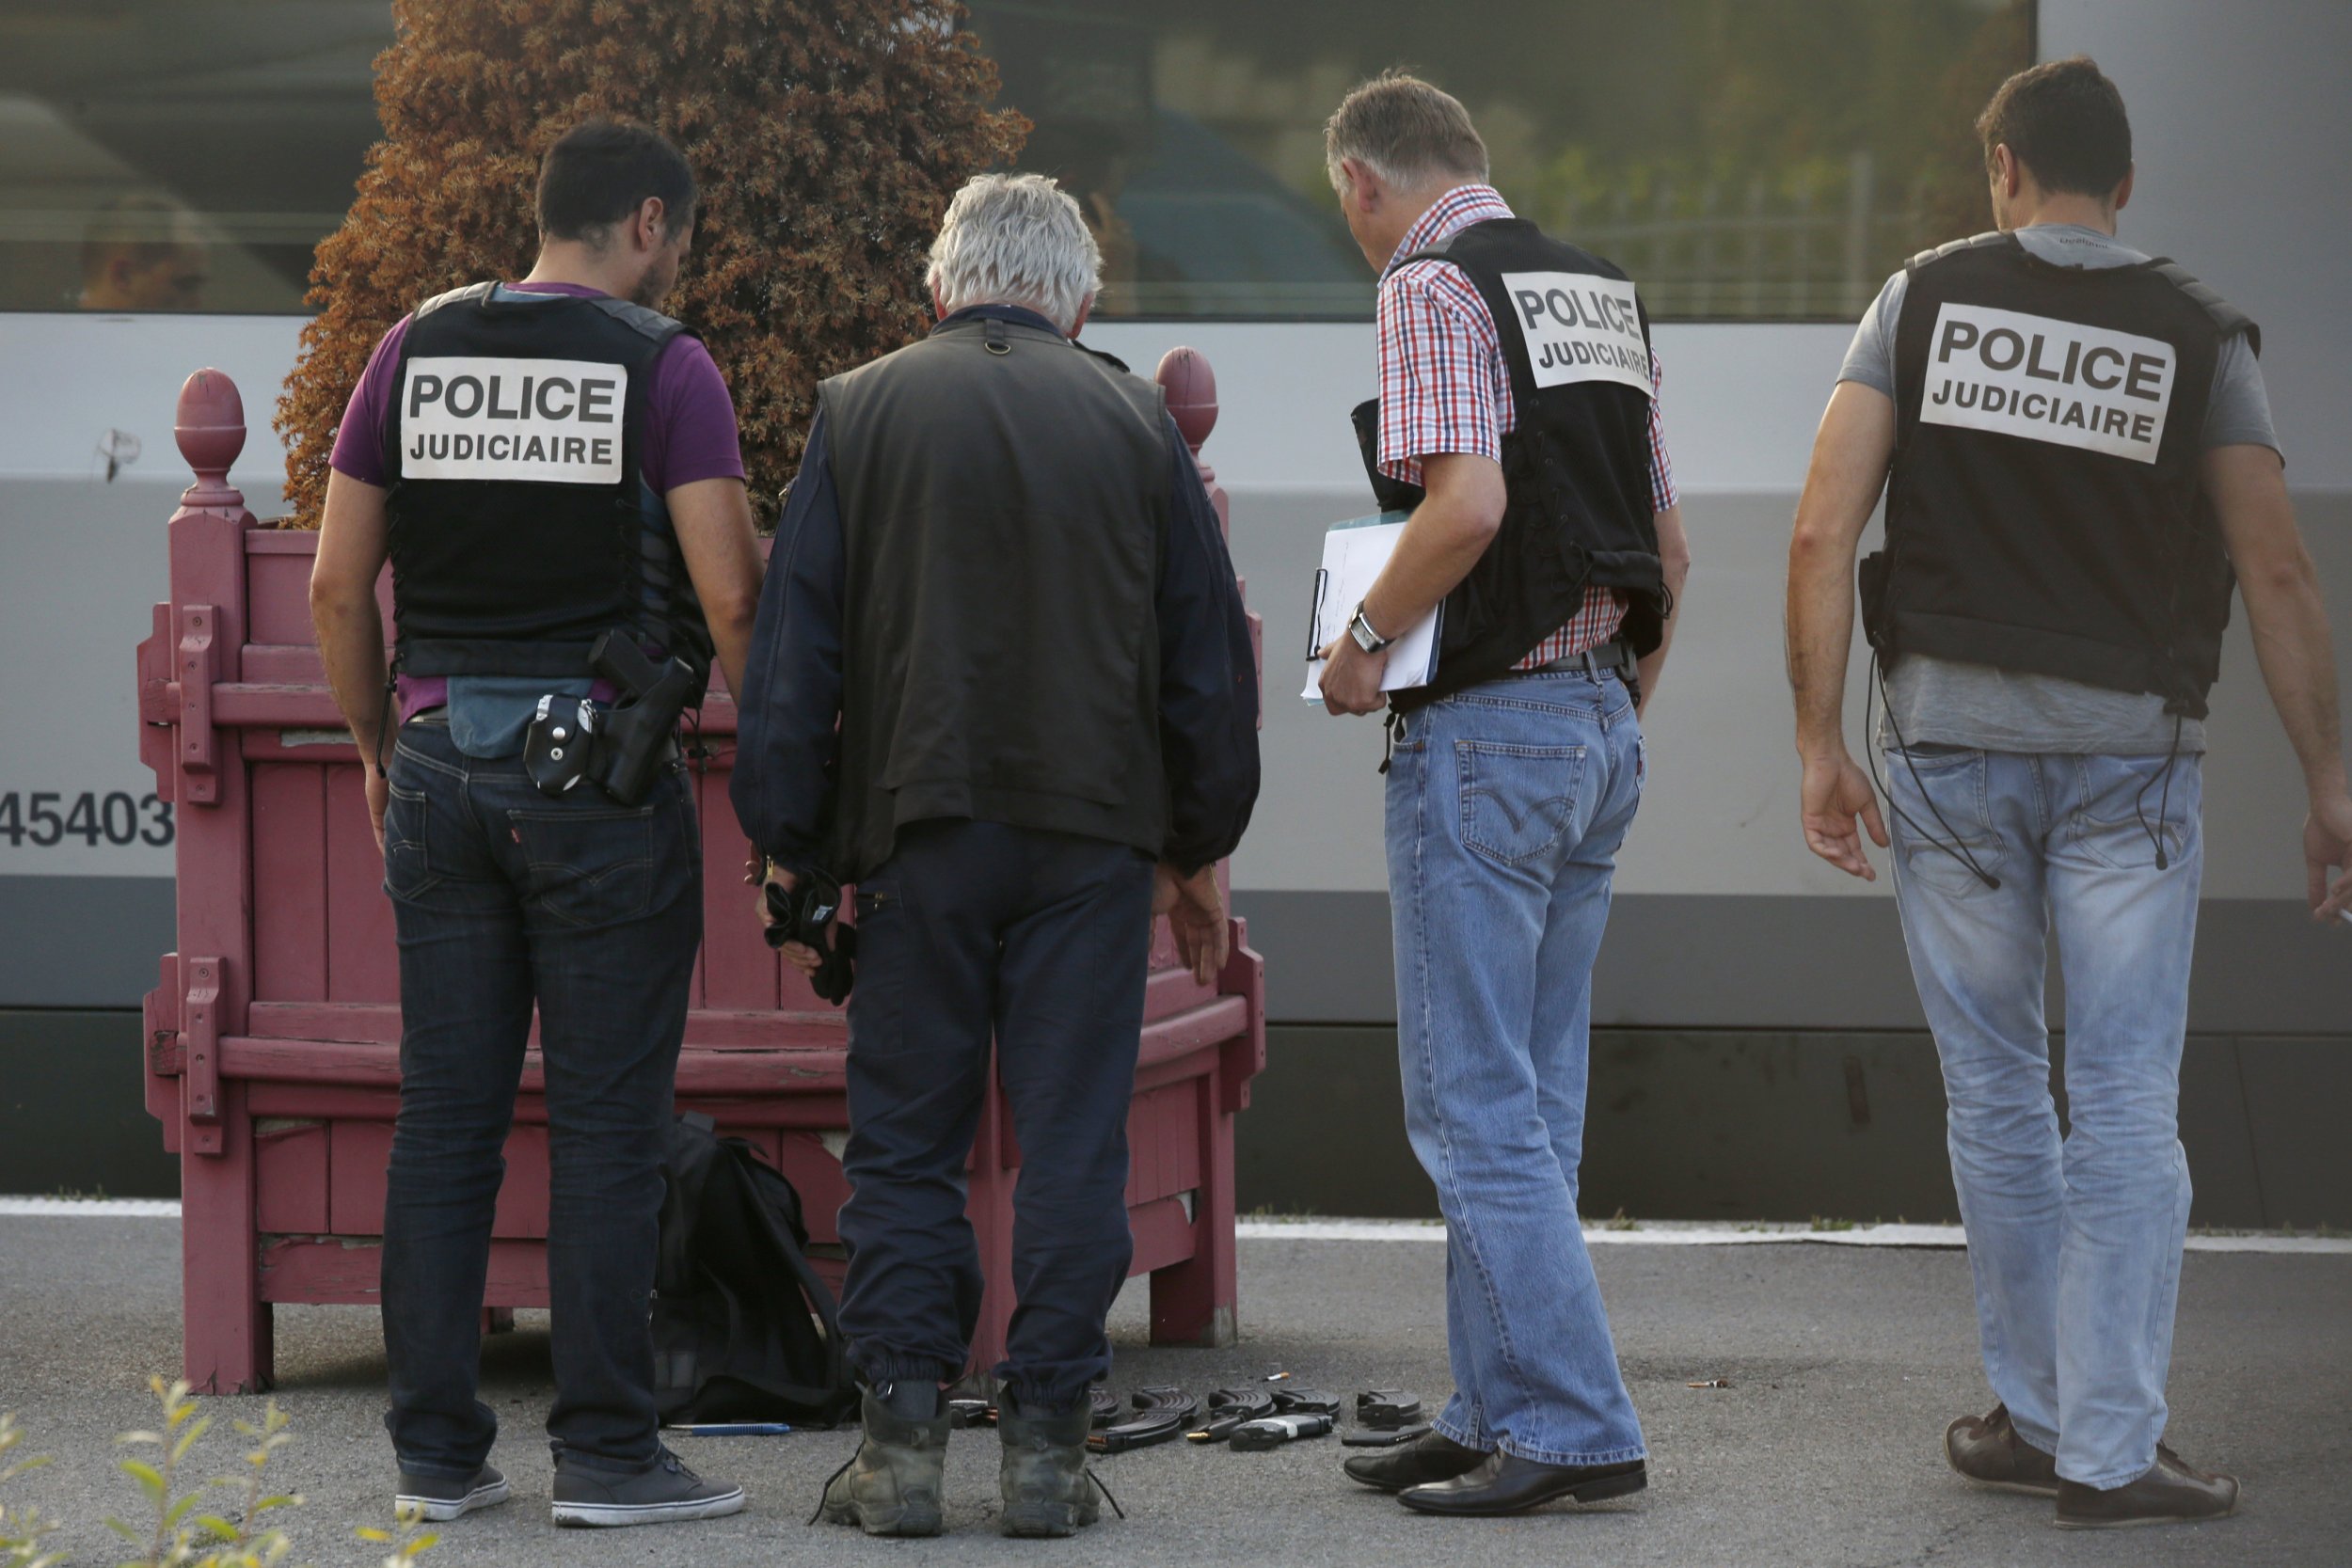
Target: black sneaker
{"type": "Point", "coordinates": [441, 1499]}
{"type": "Point", "coordinates": [666, 1494]}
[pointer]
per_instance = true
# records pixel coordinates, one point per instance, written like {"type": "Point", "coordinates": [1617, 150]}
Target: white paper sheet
{"type": "Point", "coordinates": [1352, 554]}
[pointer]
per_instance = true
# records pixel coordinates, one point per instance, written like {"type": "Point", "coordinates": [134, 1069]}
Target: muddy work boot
{"type": "Point", "coordinates": [1043, 1475]}
{"type": "Point", "coordinates": [897, 1482]}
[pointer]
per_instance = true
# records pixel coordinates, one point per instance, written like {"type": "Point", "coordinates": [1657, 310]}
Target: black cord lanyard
{"type": "Point", "coordinates": [2164, 800]}
{"type": "Point", "coordinates": [1955, 849]}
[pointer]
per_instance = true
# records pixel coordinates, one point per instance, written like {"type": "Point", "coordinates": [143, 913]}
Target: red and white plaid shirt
{"type": "Point", "coordinates": [1445, 387]}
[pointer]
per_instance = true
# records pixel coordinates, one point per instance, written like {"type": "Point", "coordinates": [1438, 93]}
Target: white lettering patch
{"type": "Point", "coordinates": [543, 421]}
{"type": "Point", "coordinates": [2048, 380]}
{"type": "Point", "coordinates": [1580, 326]}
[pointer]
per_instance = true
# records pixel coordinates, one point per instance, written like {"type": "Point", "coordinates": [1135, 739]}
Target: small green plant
{"type": "Point", "coordinates": [409, 1542]}
{"type": "Point", "coordinates": [180, 1537]}
{"type": "Point", "coordinates": [1822, 1224]}
{"type": "Point", "coordinates": [22, 1530]}
{"type": "Point", "coordinates": [1621, 1221]}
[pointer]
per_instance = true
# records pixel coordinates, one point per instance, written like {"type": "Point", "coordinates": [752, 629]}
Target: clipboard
{"type": "Point", "coordinates": [1353, 553]}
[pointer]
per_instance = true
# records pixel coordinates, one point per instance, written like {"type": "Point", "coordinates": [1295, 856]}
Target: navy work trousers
{"type": "Point", "coordinates": [974, 930]}
{"type": "Point", "coordinates": [593, 910]}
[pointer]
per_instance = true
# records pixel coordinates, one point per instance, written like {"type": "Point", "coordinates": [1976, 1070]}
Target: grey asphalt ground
{"type": "Point", "coordinates": [1844, 1366]}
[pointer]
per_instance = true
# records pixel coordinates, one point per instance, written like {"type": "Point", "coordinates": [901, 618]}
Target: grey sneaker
{"type": "Point", "coordinates": [1042, 1476]}
{"type": "Point", "coordinates": [895, 1483]}
{"type": "Point", "coordinates": [666, 1494]}
{"type": "Point", "coordinates": [441, 1499]}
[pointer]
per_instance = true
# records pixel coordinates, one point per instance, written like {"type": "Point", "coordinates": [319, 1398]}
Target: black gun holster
{"type": "Point", "coordinates": [622, 749]}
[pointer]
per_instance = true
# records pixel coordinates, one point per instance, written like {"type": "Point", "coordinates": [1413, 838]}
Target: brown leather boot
{"type": "Point", "coordinates": [1988, 1451]}
{"type": "Point", "coordinates": [2170, 1493]}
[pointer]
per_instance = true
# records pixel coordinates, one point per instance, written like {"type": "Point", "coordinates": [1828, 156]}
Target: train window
{"type": "Point", "coordinates": [1745, 159]}
{"type": "Point", "coordinates": [178, 154]}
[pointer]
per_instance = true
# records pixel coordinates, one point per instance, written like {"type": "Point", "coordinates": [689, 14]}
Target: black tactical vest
{"type": "Point", "coordinates": [1004, 500]}
{"type": "Point", "coordinates": [519, 527]}
{"type": "Point", "coordinates": [2043, 511]}
{"type": "Point", "coordinates": [1579, 512]}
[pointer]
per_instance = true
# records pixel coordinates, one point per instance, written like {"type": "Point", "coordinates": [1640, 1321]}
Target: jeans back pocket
{"type": "Point", "coordinates": [1518, 801]}
{"type": "Point", "coordinates": [589, 867]}
{"type": "Point", "coordinates": [1942, 816]}
{"type": "Point", "coordinates": [2125, 807]}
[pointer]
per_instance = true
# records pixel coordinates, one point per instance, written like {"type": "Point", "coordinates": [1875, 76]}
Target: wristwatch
{"type": "Point", "coordinates": [1366, 639]}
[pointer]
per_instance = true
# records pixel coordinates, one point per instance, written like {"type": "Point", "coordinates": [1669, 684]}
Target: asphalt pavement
{"type": "Point", "coordinates": [1843, 1365]}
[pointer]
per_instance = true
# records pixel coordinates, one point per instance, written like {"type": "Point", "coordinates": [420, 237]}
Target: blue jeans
{"type": "Point", "coordinates": [592, 909]}
{"type": "Point", "coordinates": [2075, 1243]}
{"type": "Point", "coordinates": [1507, 805]}
{"type": "Point", "coordinates": [973, 934]}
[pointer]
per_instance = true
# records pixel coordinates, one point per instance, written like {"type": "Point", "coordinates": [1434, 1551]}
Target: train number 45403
{"type": "Point", "coordinates": [45, 819]}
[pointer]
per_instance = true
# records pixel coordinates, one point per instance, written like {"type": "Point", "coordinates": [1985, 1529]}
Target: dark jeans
{"type": "Point", "coordinates": [969, 930]}
{"type": "Point", "coordinates": [593, 910]}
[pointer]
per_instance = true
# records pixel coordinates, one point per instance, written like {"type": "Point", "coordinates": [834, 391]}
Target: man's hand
{"type": "Point", "coordinates": [2327, 845]}
{"type": "Point", "coordinates": [797, 954]}
{"type": "Point", "coordinates": [1351, 677]}
{"type": "Point", "coordinates": [379, 800]}
{"type": "Point", "coordinates": [1835, 792]}
{"type": "Point", "coordinates": [1195, 907]}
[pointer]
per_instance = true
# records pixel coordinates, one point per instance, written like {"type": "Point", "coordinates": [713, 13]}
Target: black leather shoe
{"type": "Point", "coordinates": [2172, 1493]}
{"type": "Point", "coordinates": [1432, 1456]}
{"type": "Point", "coordinates": [1505, 1483]}
{"type": "Point", "coordinates": [1989, 1452]}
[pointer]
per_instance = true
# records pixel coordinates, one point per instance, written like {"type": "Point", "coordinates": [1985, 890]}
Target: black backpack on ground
{"type": "Point", "coordinates": [743, 1329]}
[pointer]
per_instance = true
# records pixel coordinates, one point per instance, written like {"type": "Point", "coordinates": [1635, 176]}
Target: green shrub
{"type": "Point", "coordinates": [178, 1533]}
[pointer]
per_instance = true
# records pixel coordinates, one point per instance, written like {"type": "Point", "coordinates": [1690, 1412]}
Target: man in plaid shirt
{"type": "Point", "coordinates": [1519, 420]}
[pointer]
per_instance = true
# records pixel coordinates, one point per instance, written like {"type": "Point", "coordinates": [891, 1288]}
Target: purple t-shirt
{"type": "Point", "coordinates": [693, 435]}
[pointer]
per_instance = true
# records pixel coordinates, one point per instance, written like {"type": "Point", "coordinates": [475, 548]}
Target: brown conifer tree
{"type": "Point", "coordinates": [826, 135]}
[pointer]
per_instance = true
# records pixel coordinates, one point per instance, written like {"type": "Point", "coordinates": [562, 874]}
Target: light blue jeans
{"type": "Point", "coordinates": [1506, 804]}
{"type": "Point", "coordinates": [2075, 1243]}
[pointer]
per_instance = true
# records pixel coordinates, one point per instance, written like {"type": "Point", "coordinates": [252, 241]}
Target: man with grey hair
{"type": "Point", "coordinates": [1518, 423]}
{"type": "Point", "coordinates": [1002, 682]}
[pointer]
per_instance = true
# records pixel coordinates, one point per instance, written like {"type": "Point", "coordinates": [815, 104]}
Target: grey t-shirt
{"type": "Point", "coordinates": [1945, 703]}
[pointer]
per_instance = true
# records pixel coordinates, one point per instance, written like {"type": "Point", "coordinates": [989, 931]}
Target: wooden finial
{"type": "Point", "coordinates": [210, 428]}
{"type": "Point", "coordinates": [1191, 387]}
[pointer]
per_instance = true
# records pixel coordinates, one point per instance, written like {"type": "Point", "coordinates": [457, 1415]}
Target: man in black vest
{"type": "Point", "coordinates": [1517, 422]}
{"type": "Point", "coordinates": [545, 463]}
{"type": "Point", "coordinates": [1001, 673]}
{"type": "Point", "coordinates": [2077, 457]}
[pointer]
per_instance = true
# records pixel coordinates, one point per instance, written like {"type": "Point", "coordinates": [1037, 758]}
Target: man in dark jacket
{"type": "Point", "coordinates": [999, 576]}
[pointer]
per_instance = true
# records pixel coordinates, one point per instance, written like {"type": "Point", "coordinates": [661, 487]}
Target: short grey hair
{"type": "Point", "coordinates": [1405, 130]}
{"type": "Point", "coordinates": [1016, 238]}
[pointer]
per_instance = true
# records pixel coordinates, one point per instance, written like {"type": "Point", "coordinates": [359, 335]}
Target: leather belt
{"type": "Point", "coordinates": [1615, 655]}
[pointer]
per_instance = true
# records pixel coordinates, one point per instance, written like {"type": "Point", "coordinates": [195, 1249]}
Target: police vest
{"type": "Point", "coordinates": [519, 527]}
{"type": "Point", "coordinates": [1579, 509]}
{"type": "Point", "coordinates": [2043, 510]}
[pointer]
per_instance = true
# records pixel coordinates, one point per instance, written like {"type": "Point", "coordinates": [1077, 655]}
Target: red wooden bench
{"type": "Point", "coordinates": [271, 1040]}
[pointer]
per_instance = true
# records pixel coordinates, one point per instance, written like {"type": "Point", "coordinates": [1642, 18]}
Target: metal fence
{"type": "Point", "coordinates": [1817, 247]}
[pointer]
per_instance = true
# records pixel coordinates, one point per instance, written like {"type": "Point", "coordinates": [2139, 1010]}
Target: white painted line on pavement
{"type": "Point", "coordinates": [1642, 1233]}
{"type": "Point", "coordinates": [1703, 1233]}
